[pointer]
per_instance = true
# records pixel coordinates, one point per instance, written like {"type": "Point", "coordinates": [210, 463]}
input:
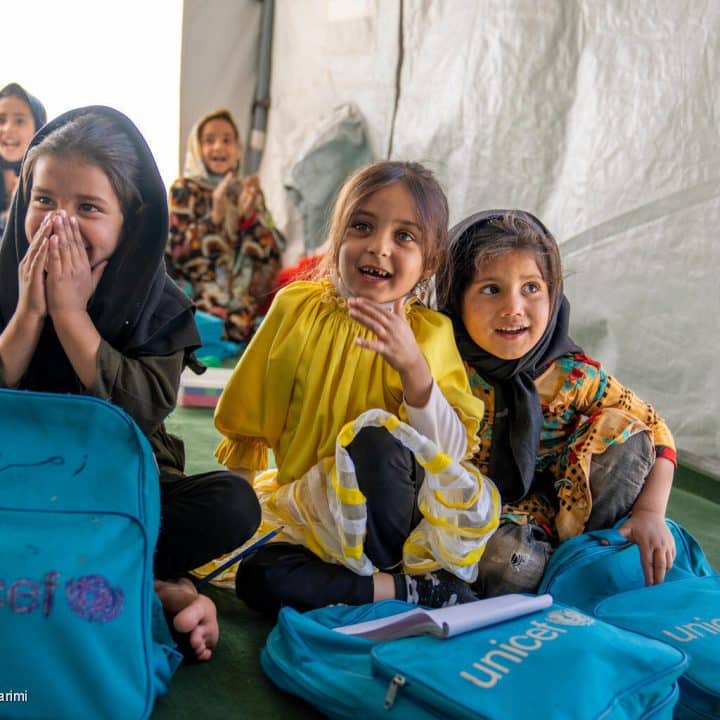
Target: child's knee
{"type": "Point", "coordinates": [370, 439]}
{"type": "Point", "coordinates": [514, 561]}
{"type": "Point", "coordinates": [386, 470]}
{"type": "Point", "coordinates": [243, 506]}
{"type": "Point", "coordinates": [616, 478]}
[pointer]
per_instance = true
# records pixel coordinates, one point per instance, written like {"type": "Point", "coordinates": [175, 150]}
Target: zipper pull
{"type": "Point", "coordinates": [395, 684]}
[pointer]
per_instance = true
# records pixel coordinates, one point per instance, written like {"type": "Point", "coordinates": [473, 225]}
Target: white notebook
{"type": "Point", "coordinates": [449, 621]}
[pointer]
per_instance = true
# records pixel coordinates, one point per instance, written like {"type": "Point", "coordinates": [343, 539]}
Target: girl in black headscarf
{"type": "Point", "coordinates": [21, 116]}
{"type": "Point", "coordinates": [86, 307]}
{"type": "Point", "coordinates": [569, 448]}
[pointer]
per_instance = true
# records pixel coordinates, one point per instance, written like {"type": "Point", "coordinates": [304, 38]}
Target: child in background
{"type": "Point", "coordinates": [223, 249]}
{"type": "Point", "coordinates": [569, 448]}
{"type": "Point", "coordinates": [21, 116]}
{"type": "Point", "coordinates": [354, 384]}
{"type": "Point", "coordinates": [86, 307]}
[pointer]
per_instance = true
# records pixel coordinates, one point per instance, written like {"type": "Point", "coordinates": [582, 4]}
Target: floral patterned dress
{"type": "Point", "coordinates": [228, 269]}
{"type": "Point", "coordinates": [585, 411]}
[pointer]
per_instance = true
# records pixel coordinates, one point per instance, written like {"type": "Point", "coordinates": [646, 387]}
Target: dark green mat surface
{"type": "Point", "coordinates": [233, 685]}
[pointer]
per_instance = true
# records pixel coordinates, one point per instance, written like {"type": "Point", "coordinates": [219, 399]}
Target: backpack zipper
{"type": "Point", "coordinates": [396, 683]}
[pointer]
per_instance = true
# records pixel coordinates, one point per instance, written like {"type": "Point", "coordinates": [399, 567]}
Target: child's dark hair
{"type": "Point", "coordinates": [99, 141]}
{"type": "Point", "coordinates": [488, 238]}
{"type": "Point", "coordinates": [428, 198]}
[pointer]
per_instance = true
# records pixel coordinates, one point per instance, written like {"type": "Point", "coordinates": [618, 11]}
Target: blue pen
{"type": "Point", "coordinates": [237, 558]}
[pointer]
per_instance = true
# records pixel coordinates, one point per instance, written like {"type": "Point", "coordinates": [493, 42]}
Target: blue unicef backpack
{"type": "Point", "coordinates": [600, 573]}
{"type": "Point", "coordinates": [554, 664]}
{"type": "Point", "coordinates": [81, 630]}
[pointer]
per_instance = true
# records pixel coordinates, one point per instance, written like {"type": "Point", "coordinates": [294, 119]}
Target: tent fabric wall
{"type": "Point", "coordinates": [602, 118]}
{"type": "Point", "coordinates": [218, 61]}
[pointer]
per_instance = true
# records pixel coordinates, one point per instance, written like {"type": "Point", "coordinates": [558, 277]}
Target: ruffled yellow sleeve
{"type": "Point", "coordinates": [252, 408]}
{"type": "Point", "coordinates": [244, 452]}
{"type": "Point", "coordinates": [436, 340]}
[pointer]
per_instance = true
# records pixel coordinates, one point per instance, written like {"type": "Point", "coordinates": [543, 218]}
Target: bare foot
{"type": "Point", "coordinates": [193, 614]}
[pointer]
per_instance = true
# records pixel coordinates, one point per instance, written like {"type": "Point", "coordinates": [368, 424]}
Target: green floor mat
{"type": "Point", "coordinates": [233, 684]}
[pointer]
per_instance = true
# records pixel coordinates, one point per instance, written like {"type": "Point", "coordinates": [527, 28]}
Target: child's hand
{"type": "Point", "coordinates": [657, 546]}
{"type": "Point", "coordinates": [31, 273]}
{"type": "Point", "coordinates": [248, 197]}
{"type": "Point", "coordinates": [396, 342]}
{"type": "Point", "coordinates": [217, 212]}
{"type": "Point", "coordinates": [70, 281]}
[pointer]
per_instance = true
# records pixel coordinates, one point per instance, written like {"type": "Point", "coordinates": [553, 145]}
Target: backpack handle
{"type": "Point", "coordinates": [609, 536]}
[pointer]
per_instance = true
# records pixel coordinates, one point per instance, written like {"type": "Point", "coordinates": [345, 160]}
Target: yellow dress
{"type": "Point", "coordinates": [304, 387]}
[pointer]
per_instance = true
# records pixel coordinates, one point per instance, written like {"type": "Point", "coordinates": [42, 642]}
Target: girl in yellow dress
{"type": "Point", "coordinates": [569, 447]}
{"type": "Point", "coordinates": [360, 392]}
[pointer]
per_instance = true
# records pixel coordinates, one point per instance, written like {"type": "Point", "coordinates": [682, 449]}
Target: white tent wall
{"type": "Point", "coordinates": [326, 53]}
{"type": "Point", "coordinates": [218, 61]}
{"type": "Point", "coordinates": [600, 117]}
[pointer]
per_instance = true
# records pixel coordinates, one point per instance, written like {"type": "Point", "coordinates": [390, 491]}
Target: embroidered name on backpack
{"type": "Point", "coordinates": [90, 597]}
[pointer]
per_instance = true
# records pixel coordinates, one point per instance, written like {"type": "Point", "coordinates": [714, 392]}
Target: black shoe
{"type": "Point", "coordinates": [438, 589]}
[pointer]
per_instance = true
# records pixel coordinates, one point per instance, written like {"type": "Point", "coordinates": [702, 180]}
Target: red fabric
{"type": "Point", "coordinates": [662, 451]}
{"type": "Point", "coordinates": [244, 224]}
{"type": "Point", "coordinates": [303, 270]}
{"type": "Point", "coordinates": [584, 358]}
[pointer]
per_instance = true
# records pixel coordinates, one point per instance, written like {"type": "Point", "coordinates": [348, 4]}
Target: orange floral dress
{"type": "Point", "coordinates": [585, 411]}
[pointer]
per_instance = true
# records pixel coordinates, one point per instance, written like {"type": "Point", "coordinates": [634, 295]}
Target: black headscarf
{"type": "Point", "coordinates": [518, 420]}
{"type": "Point", "coordinates": [37, 110]}
{"type": "Point", "coordinates": [136, 307]}
{"type": "Point", "coordinates": [36, 107]}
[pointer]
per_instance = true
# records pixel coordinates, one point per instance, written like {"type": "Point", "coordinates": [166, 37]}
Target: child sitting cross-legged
{"type": "Point", "coordinates": [86, 307]}
{"type": "Point", "coordinates": [568, 446]}
{"type": "Point", "coordinates": [359, 390]}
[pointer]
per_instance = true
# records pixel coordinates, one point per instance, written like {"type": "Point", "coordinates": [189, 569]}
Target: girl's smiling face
{"type": "Point", "coordinates": [82, 190]}
{"type": "Point", "coordinates": [219, 146]}
{"type": "Point", "coordinates": [17, 127]}
{"type": "Point", "coordinates": [381, 256]}
{"type": "Point", "coordinates": [506, 308]}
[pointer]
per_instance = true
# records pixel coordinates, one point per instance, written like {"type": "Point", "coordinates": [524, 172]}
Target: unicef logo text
{"type": "Point", "coordinates": [90, 597]}
{"type": "Point", "coordinates": [570, 617]}
{"type": "Point", "coordinates": [499, 662]}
